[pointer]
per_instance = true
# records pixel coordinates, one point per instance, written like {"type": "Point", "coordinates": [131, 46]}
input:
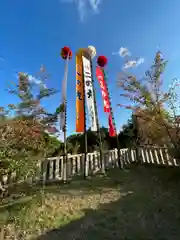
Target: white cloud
{"type": "Point", "coordinates": [36, 81]}
{"type": "Point", "coordinates": [133, 63]}
{"type": "Point", "coordinates": [129, 64]}
{"type": "Point", "coordinates": [82, 6]}
{"type": "Point", "coordinates": [95, 4]}
{"type": "Point", "coordinates": [139, 61]}
{"type": "Point", "coordinates": [123, 52]}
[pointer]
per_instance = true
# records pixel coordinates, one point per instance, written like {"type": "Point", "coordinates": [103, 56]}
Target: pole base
{"type": "Point", "coordinates": [66, 181]}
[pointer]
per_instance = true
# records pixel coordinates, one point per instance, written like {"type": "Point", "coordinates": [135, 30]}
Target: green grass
{"type": "Point", "coordinates": [140, 203]}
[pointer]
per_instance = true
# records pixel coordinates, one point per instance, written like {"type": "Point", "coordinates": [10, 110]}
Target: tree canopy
{"type": "Point", "coordinates": [148, 102]}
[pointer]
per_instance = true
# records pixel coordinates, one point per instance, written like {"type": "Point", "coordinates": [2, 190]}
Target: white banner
{"type": "Point", "coordinates": [89, 93]}
{"type": "Point", "coordinates": [63, 91]}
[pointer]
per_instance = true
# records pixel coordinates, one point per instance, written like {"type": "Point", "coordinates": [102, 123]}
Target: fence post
{"type": "Point", "coordinates": [135, 128]}
{"type": "Point", "coordinates": [65, 159]}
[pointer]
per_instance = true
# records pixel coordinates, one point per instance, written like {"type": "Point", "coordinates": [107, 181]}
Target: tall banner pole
{"type": "Point", "coordinates": [65, 125]}
{"type": "Point", "coordinates": [85, 128]}
{"type": "Point", "coordinates": [92, 55]}
{"type": "Point", "coordinates": [66, 54]}
{"type": "Point", "coordinates": [80, 104]}
{"type": "Point", "coordinates": [100, 74]}
{"type": "Point", "coordinates": [85, 136]}
{"type": "Point", "coordinates": [114, 124]}
{"type": "Point", "coordinates": [89, 91]}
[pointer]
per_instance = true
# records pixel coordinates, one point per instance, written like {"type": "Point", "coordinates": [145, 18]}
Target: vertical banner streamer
{"type": "Point", "coordinates": [64, 97]}
{"type": "Point", "coordinates": [107, 105]}
{"type": "Point", "coordinates": [112, 130]}
{"type": "Point", "coordinates": [80, 121]}
{"type": "Point", "coordinates": [89, 92]}
{"type": "Point", "coordinates": [102, 83]}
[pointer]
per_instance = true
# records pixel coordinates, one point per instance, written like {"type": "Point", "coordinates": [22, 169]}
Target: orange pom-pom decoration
{"type": "Point", "coordinates": [66, 53]}
{"type": "Point", "coordinates": [102, 61]}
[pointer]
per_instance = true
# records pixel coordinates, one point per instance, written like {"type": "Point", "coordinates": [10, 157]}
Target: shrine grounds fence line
{"type": "Point", "coordinates": [51, 169]}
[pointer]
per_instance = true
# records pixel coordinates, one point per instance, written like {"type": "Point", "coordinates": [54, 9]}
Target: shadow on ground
{"type": "Point", "coordinates": [148, 208]}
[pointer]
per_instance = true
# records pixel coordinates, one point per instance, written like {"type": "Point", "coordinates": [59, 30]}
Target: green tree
{"type": "Point", "coordinates": [127, 138]}
{"type": "Point", "coordinates": [52, 145]}
{"type": "Point", "coordinates": [147, 100]}
{"type": "Point", "coordinates": [22, 141]}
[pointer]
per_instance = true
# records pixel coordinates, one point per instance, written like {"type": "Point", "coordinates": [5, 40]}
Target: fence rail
{"type": "Point", "coordinates": [52, 169]}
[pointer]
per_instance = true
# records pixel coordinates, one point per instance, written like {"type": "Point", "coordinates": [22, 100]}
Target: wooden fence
{"type": "Point", "coordinates": [52, 169]}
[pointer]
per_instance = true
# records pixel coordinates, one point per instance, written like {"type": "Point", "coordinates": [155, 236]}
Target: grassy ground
{"type": "Point", "coordinates": [140, 203]}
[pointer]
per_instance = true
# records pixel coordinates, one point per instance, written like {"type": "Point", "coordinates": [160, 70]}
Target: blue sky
{"type": "Point", "coordinates": [33, 32]}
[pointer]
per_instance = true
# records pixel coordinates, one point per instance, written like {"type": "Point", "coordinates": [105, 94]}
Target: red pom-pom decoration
{"type": "Point", "coordinates": [102, 61]}
{"type": "Point", "coordinates": [66, 53]}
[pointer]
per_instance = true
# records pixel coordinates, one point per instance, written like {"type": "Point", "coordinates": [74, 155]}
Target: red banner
{"type": "Point", "coordinates": [112, 131]}
{"type": "Point", "coordinates": [100, 77]}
